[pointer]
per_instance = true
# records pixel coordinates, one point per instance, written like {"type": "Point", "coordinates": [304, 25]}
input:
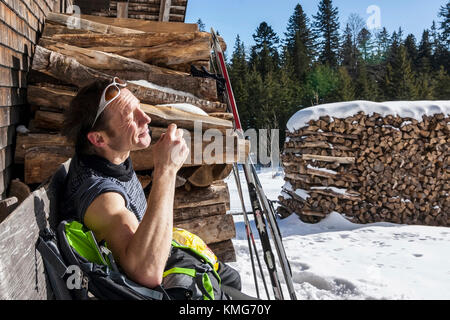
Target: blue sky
{"type": "Point", "coordinates": [232, 17]}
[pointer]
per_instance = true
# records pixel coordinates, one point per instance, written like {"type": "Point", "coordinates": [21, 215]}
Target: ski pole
{"type": "Point", "coordinates": [250, 236]}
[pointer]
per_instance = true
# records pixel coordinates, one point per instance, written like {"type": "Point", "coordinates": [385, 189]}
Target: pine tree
{"type": "Point", "coordinates": [321, 85]}
{"type": "Point", "coordinates": [299, 43]}
{"type": "Point", "coordinates": [442, 85]}
{"type": "Point", "coordinates": [264, 54]}
{"type": "Point", "coordinates": [349, 52]}
{"type": "Point", "coordinates": [326, 26]}
{"type": "Point", "coordinates": [383, 43]}
{"type": "Point", "coordinates": [345, 90]}
{"type": "Point", "coordinates": [424, 55]}
{"type": "Point", "coordinates": [400, 80]}
{"type": "Point", "coordinates": [444, 13]}
{"type": "Point", "coordinates": [201, 25]}
{"type": "Point", "coordinates": [411, 49]}
{"type": "Point", "coordinates": [238, 71]}
{"type": "Point", "coordinates": [365, 44]}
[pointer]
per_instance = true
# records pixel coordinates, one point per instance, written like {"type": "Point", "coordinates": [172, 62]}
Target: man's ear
{"type": "Point", "coordinates": [96, 138]}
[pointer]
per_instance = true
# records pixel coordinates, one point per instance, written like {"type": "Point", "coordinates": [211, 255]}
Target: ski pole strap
{"type": "Point", "coordinates": [51, 257]}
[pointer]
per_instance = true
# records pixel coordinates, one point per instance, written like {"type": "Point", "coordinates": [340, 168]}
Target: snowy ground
{"type": "Point", "coordinates": [337, 259]}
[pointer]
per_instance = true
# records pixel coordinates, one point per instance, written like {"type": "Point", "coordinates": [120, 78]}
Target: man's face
{"type": "Point", "coordinates": [128, 124]}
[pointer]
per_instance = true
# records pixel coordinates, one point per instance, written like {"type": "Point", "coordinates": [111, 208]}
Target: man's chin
{"type": "Point", "coordinates": [143, 143]}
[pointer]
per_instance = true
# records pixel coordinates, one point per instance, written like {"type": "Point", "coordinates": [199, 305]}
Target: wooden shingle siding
{"type": "Point", "coordinates": [21, 24]}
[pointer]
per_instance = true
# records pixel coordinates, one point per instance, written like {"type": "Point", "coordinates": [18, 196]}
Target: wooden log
{"type": "Point", "coordinates": [42, 162]}
{"type": "Point", "coordinates": [48, 120]}
{"type": "Point", "coordinates": [224, 250]}
{"type": "Point", "coordinates": [68, 69]}
{"type": "Point", "coordinates": [185, 214]}
{"type": "Point", "coordinates": [211, 229]}
{"type": "Point", "coordinates": [129, 41]}
{"type": "Point", "coordinates": [204, 176]}
{"type": "Point", "coordinates": [341, 160]}
{"type": "Point", "coordinates": [25, 142]}
{"type": "Point", "coordinates": [144, 25]}
{"type": "Point", "coordinates": [51, 29]}
{"type": "Point", "coordinates": [19, 190]}
{"type": "Point", "coordinates": [100, 60]}
{"type": "Point", "coordinates": [83, 24]}
{"type": "Point", "coordinates": [173, 55]}
{"type": "Point", "coordinates": [237, 152]}
{"type": "Point", "coordinates": [199, 197]}
{"type": "Point", "coordinates": [313, 213]}
{"type": "Point", "coordinates": [49, 97]}
{"type": "Point", "coordinates": [163, 116]}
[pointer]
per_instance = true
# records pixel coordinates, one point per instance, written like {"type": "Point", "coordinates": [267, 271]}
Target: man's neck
{"type": "Point", "coordinates": [114, 157]}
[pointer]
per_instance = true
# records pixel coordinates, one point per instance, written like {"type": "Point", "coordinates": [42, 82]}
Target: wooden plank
{"type": "Point", "coordinates": [144, 25]}
{"type": "Point", "coordinates": [11, 97]}
{"type": "Point", "coordinates": [12, 78]}
{"type": "Point", "coordinates": [164, 10]}
{"type": "Point", "coordinates": [211, 229]}
{"type": "Point", "coordinates": [122, 10]}
{"type": "Point", "coordinates": [7, 206]}
{"type": "Point", "coordinates": [9, 116]}
{"type": "Point", "coordinates": [7, 136]}
{"type": "Point", "coordinates": [13, 59]}
{"type": "Point", "coordinates": [21, 266]}
{"type": "Point", "coordinates": [80, 23]}
{"type": "Point", "coordinates": [5, 177]}
{"type": "Point", "coordinates": [6, 157]}
{"type": "Point", "coordinates": [199, 197]}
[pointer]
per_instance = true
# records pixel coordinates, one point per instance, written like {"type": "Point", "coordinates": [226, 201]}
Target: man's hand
{"type": "Point", "coordinates": [170, 152]}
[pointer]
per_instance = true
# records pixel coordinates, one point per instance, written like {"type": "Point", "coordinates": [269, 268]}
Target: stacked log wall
{"type": "Point", "coordinates": [370, 169]}
{"type": "Point", "coordinates": [65, 61]}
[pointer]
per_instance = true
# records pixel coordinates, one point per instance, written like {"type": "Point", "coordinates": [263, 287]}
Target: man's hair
{"type": "Point", "coordinates": [78, 118]}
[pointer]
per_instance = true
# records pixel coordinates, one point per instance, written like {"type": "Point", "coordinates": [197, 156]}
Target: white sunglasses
{"type": "Point", "coordinates": [109, 96]}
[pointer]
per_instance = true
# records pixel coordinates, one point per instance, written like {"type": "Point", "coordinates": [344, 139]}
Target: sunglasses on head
{"type": "Point", "coordinates": [111, 92]}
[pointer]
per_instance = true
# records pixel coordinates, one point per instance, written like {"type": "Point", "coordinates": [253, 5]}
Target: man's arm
{"type": "Point", "coordinates": [142, 249]}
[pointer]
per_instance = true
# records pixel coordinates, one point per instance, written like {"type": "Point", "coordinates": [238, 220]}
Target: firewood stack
{"type": "Point", "coordinates": [67, 59]}
{"type": "Point", "coordinates": [370, 169]}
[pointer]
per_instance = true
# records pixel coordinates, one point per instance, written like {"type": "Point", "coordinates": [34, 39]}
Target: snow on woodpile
{"type": "Point", "coordinates": [370, 162]}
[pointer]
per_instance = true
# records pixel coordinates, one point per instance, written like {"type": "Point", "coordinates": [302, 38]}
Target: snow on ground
{"type": "Point", "coordinates": [337, 259]}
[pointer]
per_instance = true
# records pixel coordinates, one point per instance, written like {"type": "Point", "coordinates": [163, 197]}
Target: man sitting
{"type": "Point", "coordinates": [105, 122]}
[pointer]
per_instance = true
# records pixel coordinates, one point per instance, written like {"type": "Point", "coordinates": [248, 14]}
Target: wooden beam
{"type": "Point", "coordinates": [164, 10]}
{"type": "Point", "coordinates": [122, 9]}
{"type": "Point", "coordinates": [83, 24]}
{"type": "Point", "coordinates": [144, 25]}
{"type": "Point", "coordinates": [22, 271]}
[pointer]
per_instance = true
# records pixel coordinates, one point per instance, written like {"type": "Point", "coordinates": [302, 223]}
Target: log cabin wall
{"type": "Point", "coordinates": [369, 168]}
{"type": "Point", "coordinates": [21, 23]}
